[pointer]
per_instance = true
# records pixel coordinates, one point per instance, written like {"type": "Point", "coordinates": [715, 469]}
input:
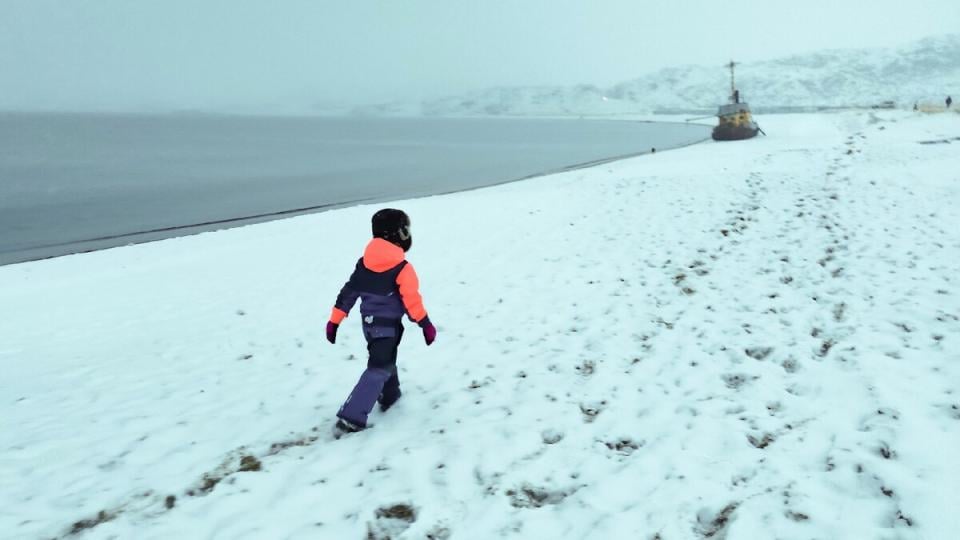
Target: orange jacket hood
{"type": "Point", "coordinates": [381, 255]}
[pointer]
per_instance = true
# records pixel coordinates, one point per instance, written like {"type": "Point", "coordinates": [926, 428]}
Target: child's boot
{"type": "Point", "coordinates": [385, 403]}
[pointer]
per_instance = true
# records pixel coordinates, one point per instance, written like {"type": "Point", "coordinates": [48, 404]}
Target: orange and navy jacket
{"type": "Point", "coordinates": [386, 284]}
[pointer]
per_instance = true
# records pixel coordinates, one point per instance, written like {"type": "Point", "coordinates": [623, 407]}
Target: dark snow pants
{"type": "Point", "coordinates": [379, 382]}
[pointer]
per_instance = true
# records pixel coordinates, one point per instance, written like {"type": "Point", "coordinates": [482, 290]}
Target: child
{"type": "Point", "coordinates": [388, 287]}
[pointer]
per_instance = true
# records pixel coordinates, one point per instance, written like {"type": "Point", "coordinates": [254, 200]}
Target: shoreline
{"type": "Point", "coordinates": [117, 238]}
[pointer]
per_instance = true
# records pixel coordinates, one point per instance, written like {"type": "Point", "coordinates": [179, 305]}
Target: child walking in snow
{"type": "Point", "coordinates": [388, 288]}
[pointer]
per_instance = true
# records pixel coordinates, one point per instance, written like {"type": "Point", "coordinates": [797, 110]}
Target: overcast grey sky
{"type": "Point", "coordinates": [217, 54]}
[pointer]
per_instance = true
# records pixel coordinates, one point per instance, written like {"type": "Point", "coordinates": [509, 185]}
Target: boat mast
{"type": "Point", "coordinates": [733, 87]}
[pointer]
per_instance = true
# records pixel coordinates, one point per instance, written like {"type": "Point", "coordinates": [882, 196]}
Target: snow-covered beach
{"type": "Point", "coordinates": [742, 340]}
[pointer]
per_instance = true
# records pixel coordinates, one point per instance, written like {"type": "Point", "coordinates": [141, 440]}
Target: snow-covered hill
{"type": "Point", "coordinates": [927, 70]}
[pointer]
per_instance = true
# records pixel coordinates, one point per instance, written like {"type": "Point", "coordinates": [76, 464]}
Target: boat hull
{"type": "Point", "coordinates": [729, 132]}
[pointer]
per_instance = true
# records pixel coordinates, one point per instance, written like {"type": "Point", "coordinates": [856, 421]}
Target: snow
{"type": "Point", "coordinates": [731, 340]}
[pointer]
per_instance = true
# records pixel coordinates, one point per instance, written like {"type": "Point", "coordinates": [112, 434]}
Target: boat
{"type": "Point", "coordinates": [735, 120]}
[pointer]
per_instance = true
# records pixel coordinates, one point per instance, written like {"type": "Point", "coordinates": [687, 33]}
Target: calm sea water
{"type": "Point", "coordinates": [71, 183]}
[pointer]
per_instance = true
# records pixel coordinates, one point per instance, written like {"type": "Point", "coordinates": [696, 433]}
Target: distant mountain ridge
{"type": "Point", "coordinates": [923, 71]}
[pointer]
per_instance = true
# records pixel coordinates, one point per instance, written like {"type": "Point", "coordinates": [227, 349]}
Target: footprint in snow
{"type": "Point", "coordinates": [391, 521]}
{"type": "Point", "coordinates": [624, 445]}
{"type": "Point", "coordinates": [592, 410]}
{"type": "Point", "coordinates": [551, 436]}
{"type": "Point", "coordinates": [734, 380]}
{"type": "Point", "coordinates": [527, 496]}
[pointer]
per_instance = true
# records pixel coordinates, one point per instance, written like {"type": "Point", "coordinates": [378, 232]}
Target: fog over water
{"type": "Point", "coordinates": [296, 55]}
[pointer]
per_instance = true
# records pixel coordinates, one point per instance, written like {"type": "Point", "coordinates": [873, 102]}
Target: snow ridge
{"type": "Point", "coordinates": [924, 71]}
